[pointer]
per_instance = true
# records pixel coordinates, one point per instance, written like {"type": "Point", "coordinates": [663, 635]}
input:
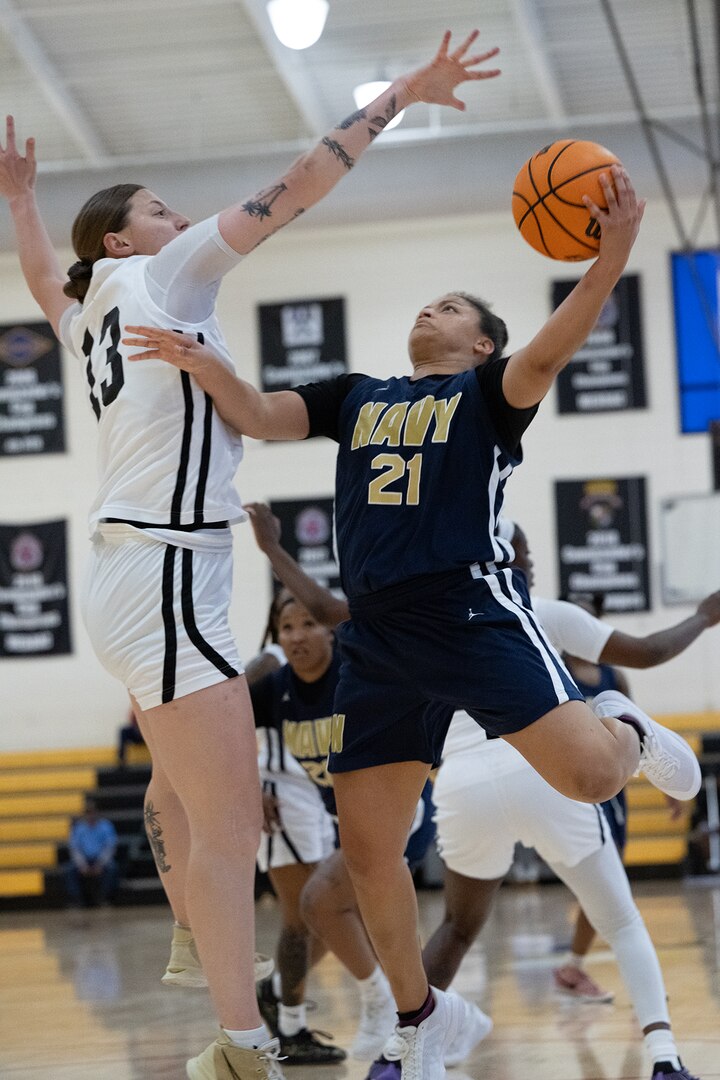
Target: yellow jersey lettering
{"type": "Point", "coordinates": [366, 421]}
{"type": "Point", "coordinates": [389, 428]}
{"type": "Point", "coordinates": [418, 421]}
{"type": "Point", "coordinates": [338, 733]}
{"type": "Point", "coordinates": [323, 734]}
{"type": "Point", "coordinates": [444, 412]}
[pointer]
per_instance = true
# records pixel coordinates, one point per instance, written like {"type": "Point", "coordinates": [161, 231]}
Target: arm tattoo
{"type": "Point", "coordinates": [382, 122]}
{"type": "Point", "coordinates": [298, 212]}
{"type": "Point", "coordinates": [339, 152]}
{"type": "Point", "coordinates": [261, 205]}
{"type": "Point", "coordinates": [354, 118]}
{"type": "Point", "coordinates": [154, 834]}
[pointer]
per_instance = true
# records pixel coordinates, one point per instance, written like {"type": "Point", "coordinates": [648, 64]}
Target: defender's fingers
{"type": "Point", "coordinates": [480, 58]}
{"type": "Point", "coordinates": [442, 51]}
{"type": "Point", "coordinates": [462, 49]}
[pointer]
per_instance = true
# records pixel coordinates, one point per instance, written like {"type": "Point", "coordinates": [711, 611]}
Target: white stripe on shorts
{"type": "Point", "coordinates": [517, 609]}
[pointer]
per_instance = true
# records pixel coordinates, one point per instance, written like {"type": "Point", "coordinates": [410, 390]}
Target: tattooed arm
{"type": "Point", "coordinates": [245, 225]}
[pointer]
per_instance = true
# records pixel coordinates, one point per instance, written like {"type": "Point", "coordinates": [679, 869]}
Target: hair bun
{"type": "Point", "coordinates": [79, 277]}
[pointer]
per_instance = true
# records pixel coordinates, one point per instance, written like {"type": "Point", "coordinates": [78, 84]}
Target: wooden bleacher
{"type": "Point", "coordinates": [40, 794]}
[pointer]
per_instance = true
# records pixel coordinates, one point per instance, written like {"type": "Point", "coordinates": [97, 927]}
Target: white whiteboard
{"type": "Point", "coordinates": [690, 547]}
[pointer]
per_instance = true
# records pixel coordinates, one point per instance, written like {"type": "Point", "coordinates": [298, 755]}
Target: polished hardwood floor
{"type": "Point", "coordinates": [84, 1002]}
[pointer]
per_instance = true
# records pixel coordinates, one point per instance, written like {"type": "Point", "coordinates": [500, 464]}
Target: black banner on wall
{"type": "Point", "coordinates": [33, 590]}
{"type": "Point", "coordinates": [608, 373]}
{"type": "Point", "coordinates": [307, 535]}
{"type": "Point", "coordinates": [302, 341]}
{"type": "Point", "coordinates": [31, 391]}
{"type": "Point", "coordinates": [602, 541]}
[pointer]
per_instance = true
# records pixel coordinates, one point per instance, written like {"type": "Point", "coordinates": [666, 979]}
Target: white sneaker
{"type": "Point", "coordinates": [421, 1050]}
{"type": "Point", "coordinates": [475, 1026]}
{"type": "Point", "coordinates": [666, 758]}
{"type": "Point", "coordinates": [378, 1018]}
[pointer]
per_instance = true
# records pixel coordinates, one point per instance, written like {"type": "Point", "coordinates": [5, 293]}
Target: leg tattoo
{"type": "Point", "coordinates": [154, 834]}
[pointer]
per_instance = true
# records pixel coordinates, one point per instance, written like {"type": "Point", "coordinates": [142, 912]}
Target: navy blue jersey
{"type": "Point", "coordinates": [301, 713]}
{"type": "Point", "coordinates": [421, 469]}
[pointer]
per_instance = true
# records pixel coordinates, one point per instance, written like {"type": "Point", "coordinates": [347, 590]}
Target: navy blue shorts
{"type": "Point", "coordinates": [412, 656]}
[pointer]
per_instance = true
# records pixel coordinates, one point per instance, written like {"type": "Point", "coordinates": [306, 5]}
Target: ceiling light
{"type": "Point", "coordinates": [298, 23]}
{"type": "Point", "coordinates": [368, 91]}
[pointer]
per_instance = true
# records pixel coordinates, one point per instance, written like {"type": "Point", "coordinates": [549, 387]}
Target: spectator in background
{"type": "Point", "coordinates": [91, 875]}
{"type": "Point", "coordinates": [129, 733]}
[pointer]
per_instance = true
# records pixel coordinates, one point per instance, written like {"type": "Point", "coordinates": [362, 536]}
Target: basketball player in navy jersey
{"type": "Point", "coordinates": [158, 592]}
{"type": "Point", "coordinates": [482, 780]}
{"type": "Point", "coordinates": [438, 620]}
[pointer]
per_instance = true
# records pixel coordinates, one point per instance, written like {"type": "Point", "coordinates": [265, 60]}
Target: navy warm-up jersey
{"type": "Point", "coordinates": [301, 713]}
{"type": "Point", "coordinates": [420, 471]}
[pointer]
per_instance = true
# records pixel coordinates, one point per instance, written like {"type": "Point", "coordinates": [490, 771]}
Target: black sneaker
{"type": "Point", "coordinates": [663, 1070]}
{"type": "Point", "coordinates": [306, 1049]}
{"type": "Point", "coordinates": [268, 1005]}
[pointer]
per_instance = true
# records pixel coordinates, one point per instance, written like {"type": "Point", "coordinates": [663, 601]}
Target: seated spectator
{"type": "Point", "coordinates": [91, 875]}
{"type": "Point", "coordinates": [130, 733]}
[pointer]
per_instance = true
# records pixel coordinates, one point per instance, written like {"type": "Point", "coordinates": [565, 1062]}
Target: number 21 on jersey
{"type": "Point", "coordinates": [394, 467]}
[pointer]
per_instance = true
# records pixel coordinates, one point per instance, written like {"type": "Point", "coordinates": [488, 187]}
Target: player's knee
{"type": "Point", "coordinates": [593, 782]}
{"type": "Point", "coordinates": [463, 927]}
{"type": "Point", "coordinates": [314, 900]}
{"type": "Point", "coordinates": [370, 857]}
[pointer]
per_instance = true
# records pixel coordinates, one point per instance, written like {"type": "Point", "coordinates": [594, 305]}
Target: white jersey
{"type": "Point", "coordinates": [165, 457]}
{"type": "Point", "coordinates": [570, 629]}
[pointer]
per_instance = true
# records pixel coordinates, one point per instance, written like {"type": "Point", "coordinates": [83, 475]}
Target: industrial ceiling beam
{"type": "Point", "coordinates": [51, 83]}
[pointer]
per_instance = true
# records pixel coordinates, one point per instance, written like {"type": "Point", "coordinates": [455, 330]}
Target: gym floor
{"type": "Point", "coordinates": [82, 999]}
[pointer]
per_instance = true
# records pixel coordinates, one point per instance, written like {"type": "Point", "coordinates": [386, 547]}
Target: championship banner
{"type": "Point", "coordinates": [602, 541]}
{"type": "Point", "coordinates": [302, 341]}
{"type": "Point", "coordinates": [34, 617]}
{"type": "Point", "coordinates": [31, 391]}
{"type": "Point", "coordinates": [608, 373]}
{"type": "Point", "coordinates": [307, 535]}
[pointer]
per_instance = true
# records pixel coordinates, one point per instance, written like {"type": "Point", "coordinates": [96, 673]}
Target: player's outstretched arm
{"type": "Point", "coordinates": [645, 652]}
{"type": "Point", "coordinates": [38, 261]}
{"type": "Point", "coordinates": [280, 415]}
{"type": "Point", "coordinates": [246, 224]}
{"type": "Point", "coordinates": [531, 371]}
{"type": "Point", "coordinates": [319, 601]}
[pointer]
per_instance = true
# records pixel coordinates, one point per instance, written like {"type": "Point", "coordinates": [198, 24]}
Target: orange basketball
{"type": "Point", "coordinates": [547, 198]}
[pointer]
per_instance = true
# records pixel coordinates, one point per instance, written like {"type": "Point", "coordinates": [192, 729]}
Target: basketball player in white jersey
{"type": "Point", "coordinates": [157, 593]}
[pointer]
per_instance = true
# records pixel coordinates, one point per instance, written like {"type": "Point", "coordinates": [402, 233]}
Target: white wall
{"type": "Point", "coordinates": [385, 272]}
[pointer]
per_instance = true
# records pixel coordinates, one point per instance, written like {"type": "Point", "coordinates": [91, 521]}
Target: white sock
{"type": "Point", "coordinates": [291, 1018]}
{"type": "Point", "coordinates": [661, 1046]}
{"type": "Point", "coordinates": [250, 1040]}
{"type": "Point", "coordinates": [375, 986]}
{"type": "Point", "coordinates": [575, 961]}
{"type": "Point", "coordinates": [276, 984]}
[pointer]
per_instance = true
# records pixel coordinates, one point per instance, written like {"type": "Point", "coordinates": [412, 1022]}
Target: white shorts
{"type": "Point", "coordinates": [307, 833]}
{"type": "Point", "coordinates": [480, 817]}
{"type": "Point", "coordinates": [157, 615]}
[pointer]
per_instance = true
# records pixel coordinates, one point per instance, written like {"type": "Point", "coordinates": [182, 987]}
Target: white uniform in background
{"type": "Point", "coordinates": [307, 831]}
{"type": "Point", "coordinates": [488, 798]}
{"type": "Point", "coordinates": [158, 587]}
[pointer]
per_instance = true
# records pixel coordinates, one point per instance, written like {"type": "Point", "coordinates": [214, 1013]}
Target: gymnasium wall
{"type": "Point", "coordinates": [386, 273]}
